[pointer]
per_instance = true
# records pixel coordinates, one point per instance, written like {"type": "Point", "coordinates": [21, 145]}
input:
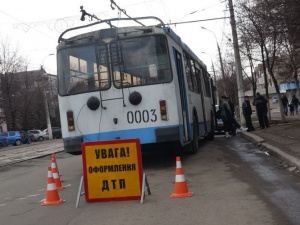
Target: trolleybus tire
{"type": "Point", "coordinates": [193, 147]}
{"type": "Point", "coordinates": [75, 153]}
{"type": "Point", "coordinates": [176, 149]}
{"type": "Point", "coordinates": [210, 136]}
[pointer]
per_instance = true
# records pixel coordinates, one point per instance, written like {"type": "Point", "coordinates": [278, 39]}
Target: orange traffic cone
{"type": "Point", "coordinates": [54, 165]}
{"type": "Point", "coordinates": [53, 159]}
{"type": "Point", "coordinates": [181, 189]}
{"type": "Point", "coordinates": [52, 197]}
{"type": "Point", "coordinates": [56, 177]}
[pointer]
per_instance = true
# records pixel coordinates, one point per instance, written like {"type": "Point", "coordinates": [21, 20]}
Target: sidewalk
{"type": "Point", "coordinates": [14, 154]}
{"type": "Point", "coordinates": [281, 139]}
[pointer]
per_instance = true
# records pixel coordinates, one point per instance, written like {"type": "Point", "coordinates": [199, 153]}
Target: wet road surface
{"type": "Point", "coordinates": [233, 183]}
{"type": "Point", "coordinates": [279, 186]}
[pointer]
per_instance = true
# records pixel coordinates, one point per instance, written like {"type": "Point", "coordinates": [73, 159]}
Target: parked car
{"type": "Point", "coordinates": [3, 141]}
{"type": "Point", "coordinates": [56, 132]}
{"type": "Point", "coordinates": [13, 137]}
{"type": "Point", "coordinates": [27, 137]}
{"type": "Point", "coordinates": [38, 135]}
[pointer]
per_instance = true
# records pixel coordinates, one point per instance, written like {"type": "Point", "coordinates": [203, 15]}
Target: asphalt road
{"type": "Point", "coordinates": [233, 183]}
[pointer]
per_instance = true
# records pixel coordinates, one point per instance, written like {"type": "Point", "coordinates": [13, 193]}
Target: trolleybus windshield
{"type": "Point", "coordinates": [145, 60]}
{"type": "Point", "coordinates": [134, 62]}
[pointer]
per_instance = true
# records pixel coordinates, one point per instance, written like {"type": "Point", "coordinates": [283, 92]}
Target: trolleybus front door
{"type": "Point", "coordinates": [179, 69]}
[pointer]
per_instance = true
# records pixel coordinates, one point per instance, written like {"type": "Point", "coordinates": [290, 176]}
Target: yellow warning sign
{"type": "Point", "coordinates": [112, 170]}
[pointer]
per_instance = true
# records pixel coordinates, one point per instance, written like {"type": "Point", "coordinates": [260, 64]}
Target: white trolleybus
{"type": "Point", "coordinates": [132, 82]}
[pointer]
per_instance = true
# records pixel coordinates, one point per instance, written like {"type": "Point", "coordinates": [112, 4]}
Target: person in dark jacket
{"type": "Point", "coordinates": [235, 124]}
{"type": "Point", "coordinates": [262, 110]}
{"type": "Point", "coordinates": [226, 115]}
{"type": "Point", "coordinates": [295, 102]}
{"type": "Point", "coordinates": [285, 103]}
{"type": "Point", "coordinates": [291, 106]}
{"type": "Point", "coordinates": [247, 112]}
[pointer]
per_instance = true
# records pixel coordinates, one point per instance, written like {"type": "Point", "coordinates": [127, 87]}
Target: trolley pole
{"type": "Point", "coordinates": [238, 65]}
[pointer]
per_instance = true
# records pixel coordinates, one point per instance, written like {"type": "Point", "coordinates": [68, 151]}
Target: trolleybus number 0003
{"type": "Point", "coordinates": [141, 116]}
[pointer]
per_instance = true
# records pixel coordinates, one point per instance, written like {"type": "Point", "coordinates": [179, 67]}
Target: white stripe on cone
{"type": "Point", "coordinates": [55, 175]}
{"type": "Point", "coordinates": [51, 187]}
{"type": "Point", "coordinates": [179, 178]}
{"type": "Point", "coordinates": [178, 164]}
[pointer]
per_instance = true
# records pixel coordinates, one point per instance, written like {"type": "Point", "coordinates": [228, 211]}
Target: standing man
{"type": "Point", "coordinates": [235, 124]}
{"type": "Point", "coordinates": [226, 115]}
{"type": "Point", "coordinates": [295, 102]}
{"type": "Point", "coordinates": [285, 103]}
{"type": "Point", "coordinates": [262, 110]}
{"type": "Point", "coordinates": [247, 112]}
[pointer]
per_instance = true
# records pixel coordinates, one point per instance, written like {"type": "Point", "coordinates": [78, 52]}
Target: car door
{"type": "Point", "coordinates": [11, 137]}
{"type": "Point", "coordinates": [36, 134]}
{"type": "Point", "coordinates": [4, 135]}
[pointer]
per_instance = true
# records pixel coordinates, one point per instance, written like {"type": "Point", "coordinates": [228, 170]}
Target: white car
{"type": "Point", "coordinates": [38, 135]}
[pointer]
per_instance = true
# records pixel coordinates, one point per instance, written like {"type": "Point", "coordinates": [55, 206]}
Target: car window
{"type": "Point", "coordinates": [4, 134]}
{"type": "Point", "coordinates": [12, 133]}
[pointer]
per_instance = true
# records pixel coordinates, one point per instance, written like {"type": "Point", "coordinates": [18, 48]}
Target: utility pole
{"type": "Point", "coordinates": [238, 65]}
{"type": "Point", "coordinates": [222, 69]}
{"type": "Point", "coordinates": [48, 117]}
{"type": "Point", "coordinates": [215, 80]}
{"type": "Point", "coordinates": [45, 79]}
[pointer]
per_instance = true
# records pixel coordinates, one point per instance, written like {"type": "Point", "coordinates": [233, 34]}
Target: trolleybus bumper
{"type": "Point", "coordinates": [73, 145]}
{"type": "Point", "coordinates": [167, 134]}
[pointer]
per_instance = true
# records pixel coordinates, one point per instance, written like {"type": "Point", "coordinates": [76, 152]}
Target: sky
{"type": "Point", "coordinates": [33, 26]}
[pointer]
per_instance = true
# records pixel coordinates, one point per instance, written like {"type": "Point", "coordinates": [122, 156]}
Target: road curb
{"type": "Point", "coordinates": [253, 138]}
{"type": "Point", "coordinates": [291, 160]}
{"type": "Point", "coordinates": [14, 161]}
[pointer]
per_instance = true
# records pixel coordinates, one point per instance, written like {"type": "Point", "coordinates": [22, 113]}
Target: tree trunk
{"type": "Point", "coordinates": [266, 79]}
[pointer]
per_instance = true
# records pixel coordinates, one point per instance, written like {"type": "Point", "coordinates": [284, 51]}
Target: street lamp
{"type": "Point", "coordinates": [221, 62]}
{"type": "Point", "coordinates": [45, 58]}
{"type": "Point", "coordinates": [215, 79]}
{"type": "Point", "coordinates": [46, 104]}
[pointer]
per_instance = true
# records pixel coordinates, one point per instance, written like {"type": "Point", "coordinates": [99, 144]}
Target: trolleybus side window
{"type": "Point", "coordinates": [141, 61]}
{"type": "Point", "coordinates": [188, 71]}
{"type": "Point", "coordinates": [207, 85]}
{"type": "Point", "coordinates": [194, 76]}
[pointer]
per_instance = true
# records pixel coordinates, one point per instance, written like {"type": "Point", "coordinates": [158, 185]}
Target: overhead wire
{"type": "Point", "coordinates": [196, 11]}
{"type": "Point", "coordinates": [26, 24]}
{"type": "Point", "coordinates": [195, 21]}
{"type": "Point", "coordinates": [113, 5]}
{"type": "Point", "coordinates": [164, 8]}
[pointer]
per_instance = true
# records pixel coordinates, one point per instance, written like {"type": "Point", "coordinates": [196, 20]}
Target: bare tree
{"type": "Point", "coordinates": [10, 63]}
{"type": "Point", "coordinates": [262, 26]}
{"type": "Point", "coordinates": [22, 92]}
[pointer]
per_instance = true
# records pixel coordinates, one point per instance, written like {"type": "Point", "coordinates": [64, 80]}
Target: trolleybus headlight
{"type": "Point", "coordinates": [70, 120]}
{"type": "Point", "coordinates": [163, 110]}
{"type": "Point", "coordinates": [93, 103]}
{"type": "Point", "coordinates": [135, 98]}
